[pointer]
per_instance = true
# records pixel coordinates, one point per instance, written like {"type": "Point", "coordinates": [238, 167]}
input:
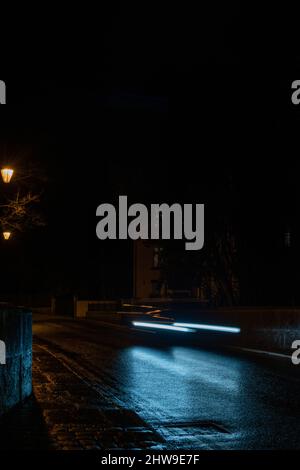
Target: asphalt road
{"type": "Point", "coordinates": [193, 397]}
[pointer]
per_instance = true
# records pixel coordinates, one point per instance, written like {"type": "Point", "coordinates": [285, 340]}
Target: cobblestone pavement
{"type": "Point", "coordinates": [97, 387]}
{"type": "Point", "coordinates": [66, 413]}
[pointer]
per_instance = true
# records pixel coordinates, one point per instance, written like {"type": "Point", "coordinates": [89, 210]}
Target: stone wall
{"type": "Point", "coordinates": [15, 373]}
{"type": "Point", "coordinates": [273, 329]}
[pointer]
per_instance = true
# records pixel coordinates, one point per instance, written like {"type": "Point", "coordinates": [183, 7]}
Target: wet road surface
{"type": "Point", "coordinates": [193, 397]}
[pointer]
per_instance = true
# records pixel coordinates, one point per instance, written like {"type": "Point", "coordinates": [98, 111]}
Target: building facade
{"type": "Point", "coordinates": [147, 270]}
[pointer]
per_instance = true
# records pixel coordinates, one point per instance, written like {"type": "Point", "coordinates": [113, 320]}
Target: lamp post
{"type": "Point", "coordinates": [7, 174]}
{"type": "Point", "coordinates": [6, 235]}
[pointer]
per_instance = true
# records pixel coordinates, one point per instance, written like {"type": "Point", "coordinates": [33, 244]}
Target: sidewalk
{"type": "Point", "coordinates": [66, 413]}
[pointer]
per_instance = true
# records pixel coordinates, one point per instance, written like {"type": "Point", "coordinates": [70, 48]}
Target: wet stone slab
{"type": "Point", "coordinates": [65, 413]}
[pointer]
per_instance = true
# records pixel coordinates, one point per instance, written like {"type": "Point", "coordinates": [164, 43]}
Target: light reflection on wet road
{"type": "Point", "coordinates": [189, 391]}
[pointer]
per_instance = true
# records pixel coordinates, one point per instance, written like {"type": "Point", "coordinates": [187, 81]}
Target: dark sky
{"type": "Point", "coordinates": [226, 142]}
{"type": "Point", "coordinates": [162, 104]}
{"type": "Point", "coordinates": [123, 34]}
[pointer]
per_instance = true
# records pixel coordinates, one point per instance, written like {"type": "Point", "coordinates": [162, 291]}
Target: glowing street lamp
{"type": "Point", "coordinates": [6, 174]}
{"type": "Point", "coordinates": [6, 235]}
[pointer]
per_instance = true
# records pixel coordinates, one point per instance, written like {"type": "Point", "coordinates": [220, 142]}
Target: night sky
{"type": "Point", "coordinates": [163, 106]}
{"type": "Point", "coordinates": [229, 144]}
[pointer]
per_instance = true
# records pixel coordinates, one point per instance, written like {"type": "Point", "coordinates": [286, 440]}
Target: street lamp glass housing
{"type": "Point", "coordinates": [6, 174]}
{"type": "Point", "coordinates": [6, 235]}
